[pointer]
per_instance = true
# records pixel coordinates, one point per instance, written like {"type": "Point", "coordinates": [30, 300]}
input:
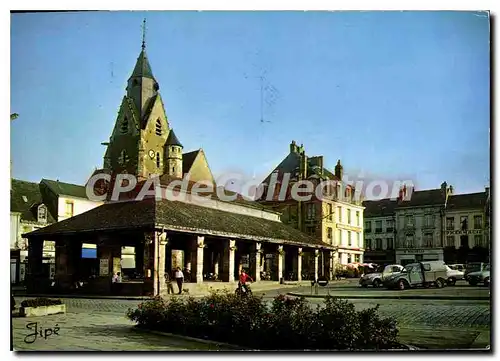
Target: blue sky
{"type": "Point", "coordinates": [394, 95]}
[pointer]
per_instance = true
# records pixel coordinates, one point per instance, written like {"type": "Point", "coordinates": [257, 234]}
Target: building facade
{"type": "Point", "coordinates": [34, 206]}
{"type": "Point", "coordinates": [335, 217]}
{"type": "Point", "coordinates": [380, 231]}
{"type": "Point", "coordinates": [419, 221]}
{"type": "Point", "coordinates": [466, 231]}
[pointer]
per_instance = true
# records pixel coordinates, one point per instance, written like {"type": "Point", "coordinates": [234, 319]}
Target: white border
{"type": "Point", "coordinates": [212, 5]}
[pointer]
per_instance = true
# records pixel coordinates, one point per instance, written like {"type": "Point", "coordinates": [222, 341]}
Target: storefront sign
{"type": "Point", "coordinates": [467, 232]}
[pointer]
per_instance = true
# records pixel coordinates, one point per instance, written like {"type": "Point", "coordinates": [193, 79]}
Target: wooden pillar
{"type": "Point", "coordinates": [299, 264]}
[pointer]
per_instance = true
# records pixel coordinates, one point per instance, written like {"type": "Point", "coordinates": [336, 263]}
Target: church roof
{"type": "Point", "coordinates": [179, 216]}
{"type": "Point", "coordinates": [188, 160]}
{"type": "Point", "coordinates": [172, 139]}
{"type": "Point", "coordinates": [142, 67]}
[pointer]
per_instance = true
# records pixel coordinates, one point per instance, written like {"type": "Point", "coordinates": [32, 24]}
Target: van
{"type": "Point", "coordinates": [419, 274]}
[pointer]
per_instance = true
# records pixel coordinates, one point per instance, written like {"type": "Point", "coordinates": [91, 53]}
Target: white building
{"type": "Point", "coordinates": [419, 219]}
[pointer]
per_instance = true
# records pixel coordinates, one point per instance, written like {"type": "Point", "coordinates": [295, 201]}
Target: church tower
{"type": "Point", "coordinates": [173, 156]}
{"type": "Point", "coordinates": [136, 145]}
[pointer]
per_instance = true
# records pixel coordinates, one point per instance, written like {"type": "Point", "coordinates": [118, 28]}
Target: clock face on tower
{"type": "Point", "coordinates": [151, 154]}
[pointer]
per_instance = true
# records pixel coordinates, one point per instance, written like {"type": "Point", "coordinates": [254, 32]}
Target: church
{"type": "Point", "coordinates": [211, 240]}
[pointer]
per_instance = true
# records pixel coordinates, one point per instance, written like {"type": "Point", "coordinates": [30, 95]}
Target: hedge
{"type": "Point", "coordinates": [285, 324]}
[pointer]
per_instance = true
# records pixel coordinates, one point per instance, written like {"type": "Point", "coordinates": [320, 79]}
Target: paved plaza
{"type": "Point", "coordinates": [100, 324]}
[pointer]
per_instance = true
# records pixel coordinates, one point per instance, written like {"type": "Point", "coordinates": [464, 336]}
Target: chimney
{"type": "Point", "coordinates": [339, 170]}
{"type": "Point", "coordinates": [293, 147]}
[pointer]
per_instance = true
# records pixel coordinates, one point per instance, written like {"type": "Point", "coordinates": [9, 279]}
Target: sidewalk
{"type": "Point", "coordinates": [261, 286]}
{"type": "Point", "coordinates": [448, 293]}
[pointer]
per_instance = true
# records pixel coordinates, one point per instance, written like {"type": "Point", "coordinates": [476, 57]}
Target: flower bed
{"type": "Point", "coordinates": [286, 324]}
{"type": "Point", "coordinates": [41, 307]}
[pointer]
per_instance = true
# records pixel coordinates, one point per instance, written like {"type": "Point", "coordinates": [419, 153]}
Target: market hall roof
{"type": "Point", "coordinates": [181, 217]}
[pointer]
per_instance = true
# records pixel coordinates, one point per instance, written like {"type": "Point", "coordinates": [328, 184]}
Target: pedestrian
{"type": "Point", "coordinates": [179, 277]}
{"type": "Point", "coordinates": [117, 278]}
{"type": "Point", "coordinates": [168, 281]}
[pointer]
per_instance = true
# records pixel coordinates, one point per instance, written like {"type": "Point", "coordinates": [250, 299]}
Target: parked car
{"type": "Point", "coordinates": [453, 275]}
{"type": "Point", "coordinates": [483, 276]}
{"type": "Point", "coordinates": [375, 279]}
{"type": "Point", "coordinates": [458, 267]}
{"type": "Point", "coordinates": [419, 274]}
{"type": "Point", "coordinates": [474, 267]}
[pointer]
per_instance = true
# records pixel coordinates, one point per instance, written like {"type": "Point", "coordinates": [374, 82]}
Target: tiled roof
{"type": "Point", "coordinates": [466, 201]}
{"type": "Point", "coordinates": [66, 189]}
{"type": "Point", "coordinates": [24, 196]}
{"type": "Point", "coordinates": [188, 159]}
{"type": "Point", "coordinates": [380, 208]}
{"type": "Point", "coordinates": [431, 197]}
{"type": "Point", "coordinates": [172, 139]}
{"type": "Point", "coordinates": [174, 215]}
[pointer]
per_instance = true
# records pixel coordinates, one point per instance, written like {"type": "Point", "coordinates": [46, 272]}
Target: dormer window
{"type": "Point", "coordinates": [42, 213]}
{"type": "Point", "coordinates": [158, 127]}
{"type": "Point", "coordinates": [124, 126]}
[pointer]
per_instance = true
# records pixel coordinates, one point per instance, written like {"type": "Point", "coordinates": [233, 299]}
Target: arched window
{"type": "Point", "coordinates": [124, 126]}
{"type": "Point", "coordinates": [158, 127]}
{"type": "Point", "coordinates": [173, 170]}
{"type": "Point", "coordinates": [157, 160]}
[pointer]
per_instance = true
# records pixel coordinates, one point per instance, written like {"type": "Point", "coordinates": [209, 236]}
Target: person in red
{"type": "Point", "coordinates": [244, 277]}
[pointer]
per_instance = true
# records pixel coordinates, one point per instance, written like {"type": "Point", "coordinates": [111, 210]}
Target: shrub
{"type": "Point", "coordinates": [41, 301]}
{"type": "Point", "coordinates": [284, 324]}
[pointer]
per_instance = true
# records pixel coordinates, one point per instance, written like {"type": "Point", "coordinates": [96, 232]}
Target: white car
{"type": "Point", "coordinates": [376, 279]}
{"type": "Point", "coordinates": [453, 275]}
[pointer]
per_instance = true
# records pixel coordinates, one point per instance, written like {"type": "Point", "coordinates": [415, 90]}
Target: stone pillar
{"type": "Point", "coordinates": [280, 262]}
{"type": "Point", "coordinates": [331, 265]}
{"type": "Point", "coordinates": [198, 255]}
{"type": "Point", "coordinates": [255, 262]}
{"type": "Point", "coordinates": [159, 284]}
{"type": "Point", "coordinates": [316, 264]}
{"type": "Point", "coordinates": [35, 265]}
{"type": "Point", "coordinates": [299, 264]}
{"type": "Point", "coordinates": [228, 261]}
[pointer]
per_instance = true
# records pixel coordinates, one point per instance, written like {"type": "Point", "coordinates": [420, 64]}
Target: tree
{"type": "Point", "coordinates": [14, 116]}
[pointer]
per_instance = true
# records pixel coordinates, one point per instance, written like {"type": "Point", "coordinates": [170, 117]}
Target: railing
{"type": "Point", "coordinates": [389, 229]}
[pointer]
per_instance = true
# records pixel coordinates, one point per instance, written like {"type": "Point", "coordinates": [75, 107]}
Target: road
{"type": "Point", "coordinates": [98, 324]}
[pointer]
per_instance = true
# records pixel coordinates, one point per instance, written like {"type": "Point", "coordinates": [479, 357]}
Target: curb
{"type": "Point", "coordinates": [402, 297]}
{"type": "Point", "coordinates": [188, 338]}
{"type": "Point", "coordinates": [228, 345]}
{"type": "Point", "coordinates": [97, 297]}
